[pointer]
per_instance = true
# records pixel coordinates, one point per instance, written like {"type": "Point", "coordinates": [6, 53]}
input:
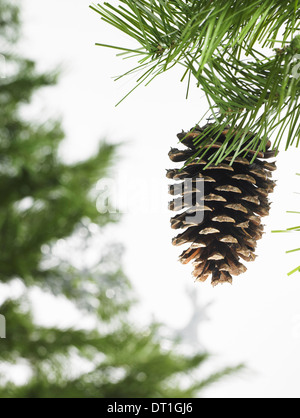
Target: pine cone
{"type": "Point", "coordinates": [235, 198]}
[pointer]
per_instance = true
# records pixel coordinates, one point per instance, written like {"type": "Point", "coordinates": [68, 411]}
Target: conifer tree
{"type": "Point", "coordinates": [44, 201]}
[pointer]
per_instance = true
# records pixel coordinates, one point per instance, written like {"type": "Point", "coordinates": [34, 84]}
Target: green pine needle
{"type": "Point", "coordinates": [216, 43]}
{"type": "Point", "coordinates": [289, 230]}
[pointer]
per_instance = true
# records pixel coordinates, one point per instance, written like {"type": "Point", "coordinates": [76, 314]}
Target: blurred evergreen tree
{"type": "Point", "coordinates": [43, 201]}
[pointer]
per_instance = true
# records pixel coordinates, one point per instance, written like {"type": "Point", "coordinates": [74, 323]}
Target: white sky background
{"type": "Point", "coordinates": [257, 320]}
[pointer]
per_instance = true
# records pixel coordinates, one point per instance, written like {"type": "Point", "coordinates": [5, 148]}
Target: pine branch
{"type": "Point", "coordinates": [289, 230]}
{"type": "Point", "coordinates": [215, 42]}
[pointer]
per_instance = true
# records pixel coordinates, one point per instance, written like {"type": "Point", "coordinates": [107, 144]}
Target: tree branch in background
{"type": "Point", "coordinates": [46, 203]}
